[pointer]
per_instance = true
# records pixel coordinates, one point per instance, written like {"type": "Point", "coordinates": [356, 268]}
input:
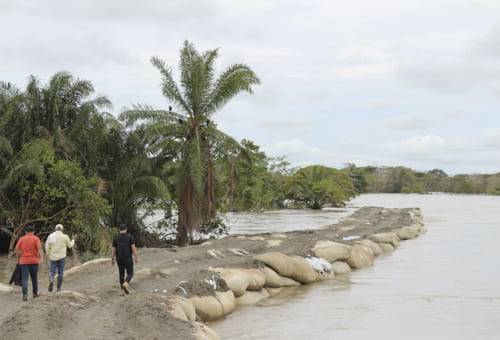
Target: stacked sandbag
{"type": "Point", "coordinates": [274, 280]}
{"type": "Point", "coordinates": [181, 308]}
{"type": "Point", "coordinates": [385, 238]}
{"type": "Point", "coordinates": [252, 297]}
{"type": "Point", "coordinates": [372, 245]}
{"type": "Point", "coordinates": [239, 280]}
{"type": "Point", "coordinates": [360, 257]}
{"type": "Point", "coordinates": [331, 251]}
{"type": "Point", "coordinates": [386, 247]}
{"type": "Point", "coordinates": [210, 307]}
{"type": "Point", "coordinates": [296, 267]}
{"type": "Point", "coordinates": [407, 233]}
{"type": "Point", "coordinates": [340, 268]}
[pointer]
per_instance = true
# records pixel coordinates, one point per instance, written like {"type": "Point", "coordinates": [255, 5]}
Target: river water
{"type": "Point", "coordinates": [443, 285]}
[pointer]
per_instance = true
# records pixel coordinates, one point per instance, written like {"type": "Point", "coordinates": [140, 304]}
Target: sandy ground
{"type": "Point", "coordinates": [103, 312]}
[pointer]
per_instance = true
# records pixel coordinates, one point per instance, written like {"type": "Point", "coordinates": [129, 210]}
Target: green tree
{"type": "Point", "coordinates": [197, 97]}
{"type": "Point", "coordinates": [316, 186]}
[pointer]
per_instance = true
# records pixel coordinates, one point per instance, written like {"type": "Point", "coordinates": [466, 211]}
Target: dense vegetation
{"type": "Point", "coordinates": [404, 180]}
{"type": "Point", "coordinates": [65, 159]}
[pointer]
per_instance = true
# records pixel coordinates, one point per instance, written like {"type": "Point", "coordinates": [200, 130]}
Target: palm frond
{"type": "Point", "coordinates": [147, 113]}
{"type": "Point", "coordinates": [169, 86]}
{"type": "Point", "coordinates": [237, 78]}
{"type": "Point", "coordinates": [151, 187]}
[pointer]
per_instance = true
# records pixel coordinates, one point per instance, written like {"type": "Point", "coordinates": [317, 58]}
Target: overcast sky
{"type": "Point", "coordinates": [386, 82]}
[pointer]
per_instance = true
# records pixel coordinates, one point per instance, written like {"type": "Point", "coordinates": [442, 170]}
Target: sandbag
{"type": "Point", "coordinates": [296, 267]}
{"type": "Point", "coordinates": [340, 268]}
{"type": "Point", "coordinates": [304, 273]}
{"type": "Point", "coordinates": [331, 251]}
{"type": "Point", "coordinates": [203, 332]}
{"type": "Point", "coordinates": [239, 280]}
{"type": "Point", "coordinates": [386, 247]}
{"type": "Point", "coordinates": [227, 300]}
{"type": "Point", "coordinates": [236, 281]}
{"type": "Point", "coordinates": [256, 279]}
{"type": "Point", "coordinates": [319, 264]}
{"type": "Point", "coordinates": [274, 291]}
{"type": "Point", "coordinates": [181, 308]}
{"type": "Point", "coordinates": [252, 297]}
{"type": "Point", "coordinates": [372, 245]}
{"type": "Point", "coordinates": [208, 308]}
{"type": "Point", "coordinates": [360, 257]}
{"type": "Point", "coordinates": [274, 280]}
{"type": "Point", "coordinates": [385, 238]}
{"type": "Point", "coordinates": [407, 233]}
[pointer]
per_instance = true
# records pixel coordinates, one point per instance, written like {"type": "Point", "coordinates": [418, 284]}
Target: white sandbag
{"type": "Point", "coordinates": [386, 247]}
{"type": "Point", "coordinates": [274, 280]}
{"type": "Point", "coordinates": [331, 251]}
{"type": "Point", "coordinates": [252, 297]}
{"type": "Point", "coordinates": [340, 268]}
{"type": "Point", "coordinates": [318, 264]}
{"type": "Point", "coordinates": [208, 308]}
{"type": "Point", "coordinates": [385, 238]}
{"type": "Point", "coordinates": [407, 233]}
{"type": "Point", "coordinates": [203, 332]}
{"type": "Point", "coordinates": [372, 245]}
{"type": "Point", "coordinates": [360, 257]}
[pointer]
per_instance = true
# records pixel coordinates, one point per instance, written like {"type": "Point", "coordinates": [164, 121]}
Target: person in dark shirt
{"type": "Point", "coordinates": [123, 249]}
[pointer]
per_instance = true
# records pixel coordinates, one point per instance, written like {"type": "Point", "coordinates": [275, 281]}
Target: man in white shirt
{"type": "Point", "coordinates": [55, 247]}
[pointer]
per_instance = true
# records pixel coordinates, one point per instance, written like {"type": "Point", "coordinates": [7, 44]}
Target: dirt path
{"type": "Point", "coordinates": [103, 313]}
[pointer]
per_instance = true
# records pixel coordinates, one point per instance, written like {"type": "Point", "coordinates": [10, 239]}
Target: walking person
{"type": "Point", "coordinates": [123, 249]}
{"type": "Point", "coordinates": [56, 246]}
{"type": "Point", "coordinates": [29, 254]}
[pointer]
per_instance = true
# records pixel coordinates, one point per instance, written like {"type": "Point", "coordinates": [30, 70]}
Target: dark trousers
{"type": "Point", "coordinates": [29, 270]}
{"type": "Point", "coordinates": [125, 265]}
{"type": "Point", "coordinates": [59, 267]}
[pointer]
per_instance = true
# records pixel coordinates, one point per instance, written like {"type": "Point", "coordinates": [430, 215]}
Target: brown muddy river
{"type": "Point", "coordinates": [443, 285]}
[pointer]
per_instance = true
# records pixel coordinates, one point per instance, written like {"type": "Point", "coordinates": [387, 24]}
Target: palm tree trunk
{"type": "Point", "coordinates": [189, 214]}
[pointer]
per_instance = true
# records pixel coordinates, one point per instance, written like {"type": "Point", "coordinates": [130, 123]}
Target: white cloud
{"type": "Point", "coordinates": [297, 151]}
{"type": "Point", "coordinates": [409, 122]}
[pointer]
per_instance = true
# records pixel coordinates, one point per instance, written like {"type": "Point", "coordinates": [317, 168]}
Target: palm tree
{"type": "Point", "coordinates": [197, 97]}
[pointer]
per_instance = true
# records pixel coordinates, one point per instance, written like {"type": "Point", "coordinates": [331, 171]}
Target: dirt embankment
{"type": "Point", "coordinates": [176, 289]}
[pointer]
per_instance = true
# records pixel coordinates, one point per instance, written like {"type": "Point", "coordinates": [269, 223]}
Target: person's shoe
{"type": "Point", "coordinates": [51, 287]}
{"type": "Point", "coordinates": [58, 289]}
{"type": "Point", "coordinates": [35, 296]}
{"type": "Point", "coordinates": [25, 297]}
{"type": "Point", "coordinates": [126, 288]}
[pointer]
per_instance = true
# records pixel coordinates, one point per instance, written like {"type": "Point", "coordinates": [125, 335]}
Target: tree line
{"type": "Point", "coordinates": [405, 180]}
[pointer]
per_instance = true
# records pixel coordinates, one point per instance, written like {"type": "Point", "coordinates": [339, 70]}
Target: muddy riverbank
{"type": "Point", "coordinates": [174, 290]}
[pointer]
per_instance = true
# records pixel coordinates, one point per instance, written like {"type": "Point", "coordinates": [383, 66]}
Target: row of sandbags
{"type": "Point", "coordinates": [250, 285]}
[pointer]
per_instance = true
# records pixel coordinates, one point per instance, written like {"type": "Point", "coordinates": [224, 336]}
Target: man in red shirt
{"type": "Point", "coordinates": [29, 254]}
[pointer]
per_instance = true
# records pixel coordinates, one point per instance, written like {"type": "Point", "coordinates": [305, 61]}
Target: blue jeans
{"type": "Point", "coordinates": [59, 267]}
{"type": "Point", "coordinates": [29, 270]}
